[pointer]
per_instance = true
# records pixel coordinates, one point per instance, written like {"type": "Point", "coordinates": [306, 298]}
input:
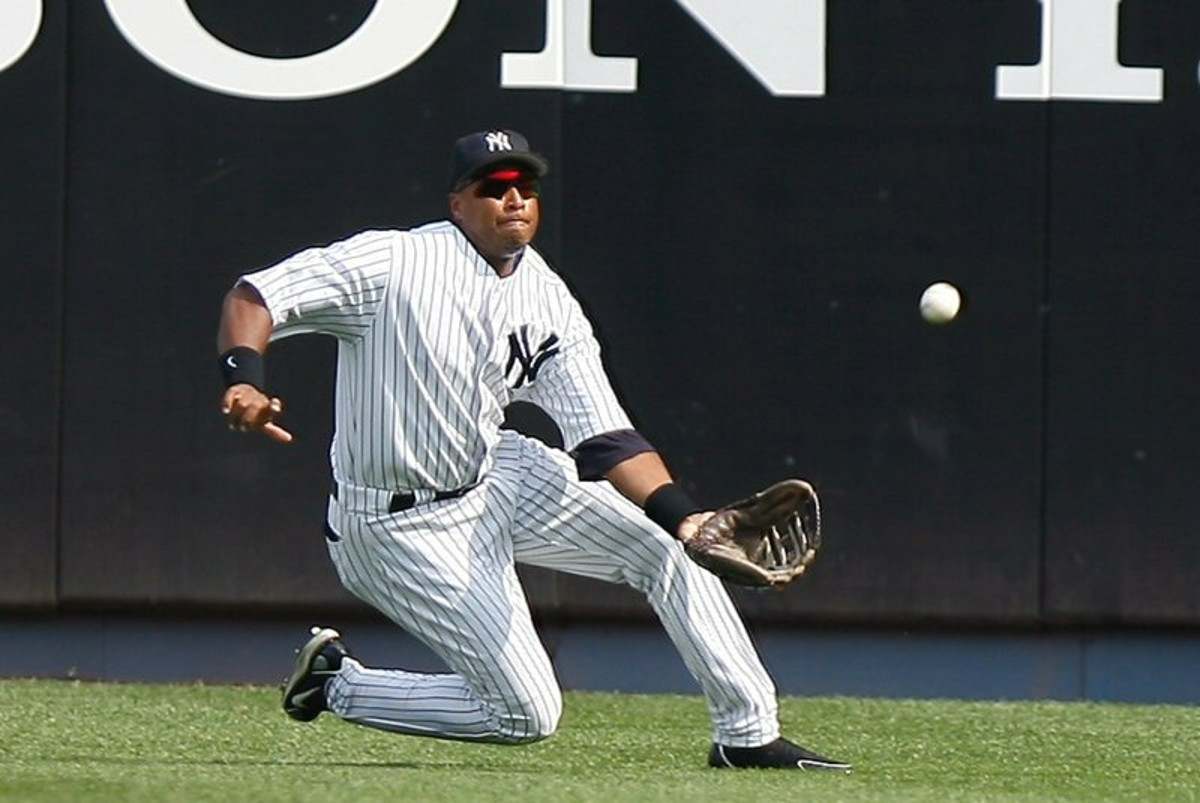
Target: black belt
{"type": "Point", "coordinates": [404, 500]}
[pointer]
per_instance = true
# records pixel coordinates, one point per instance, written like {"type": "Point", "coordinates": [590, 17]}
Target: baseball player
{"type": "Point", "coordinates": [438, 329]}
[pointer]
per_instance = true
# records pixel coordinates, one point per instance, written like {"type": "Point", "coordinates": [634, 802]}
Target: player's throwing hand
{"type": "Point", "coordinates": [246, 408]}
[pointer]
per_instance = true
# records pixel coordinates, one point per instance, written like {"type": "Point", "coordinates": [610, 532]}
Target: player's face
{"type": "Point", "coordinates": [499, 212]}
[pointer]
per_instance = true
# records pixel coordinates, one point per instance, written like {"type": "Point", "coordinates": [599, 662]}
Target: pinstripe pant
{"type": "Point", "coordinates": [445, 572]}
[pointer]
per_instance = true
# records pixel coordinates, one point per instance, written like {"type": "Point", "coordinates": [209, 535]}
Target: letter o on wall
{"type": "Point", "coordinates": [394, 35]}
{"type": "Point", "coordinates": [19, 24]}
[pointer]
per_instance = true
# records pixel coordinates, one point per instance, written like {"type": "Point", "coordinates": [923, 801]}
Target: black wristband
{"type": "Point", "coordinates": [668, 506]}
{"type": "Point", "coordinates": [243, 365]}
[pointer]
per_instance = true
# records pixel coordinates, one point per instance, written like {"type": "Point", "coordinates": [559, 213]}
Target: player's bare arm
{"type": "Point", "coordinates": [246, 324]}
{"type": "Point", "coordinates": [640, 476]}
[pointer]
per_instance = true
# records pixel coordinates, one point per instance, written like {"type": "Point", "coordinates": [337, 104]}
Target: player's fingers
{"type": "Point", "coordinates": [251, 418]}
{"type": "Point", "coordinates": [274, 409]}
{"type": "Point", "coordinates": [256, 412]}
{"type": "Point", "coordinates": [246, 412]}
{"type": "Point", "coordinates": [246, 408]}
{"type": "Point", "coordinates": [240, 394]}
{"type": "Point", "coordinates": [261, 416]}
{"type": "Point", "coordinates": [229, 399]}
{"type": "Point", "coordinates": [277, 433]}
{"type": "Point", "coordinates": [234, 411]}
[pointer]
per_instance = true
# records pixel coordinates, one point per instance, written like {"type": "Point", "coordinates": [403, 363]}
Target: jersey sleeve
{"type": "Point", "coordinates": [573, 388]}
{"type": "Point", "coordinates": [332, 290]}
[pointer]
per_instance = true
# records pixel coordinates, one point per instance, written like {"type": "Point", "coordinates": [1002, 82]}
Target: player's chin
{"type": "Point", "coordinates": [517, 233]}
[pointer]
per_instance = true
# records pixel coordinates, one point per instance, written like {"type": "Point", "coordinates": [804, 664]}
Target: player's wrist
{"type": "Point", "coordinates": [669, 505]}
{"type": "Point", "coordinates": [242, 365]}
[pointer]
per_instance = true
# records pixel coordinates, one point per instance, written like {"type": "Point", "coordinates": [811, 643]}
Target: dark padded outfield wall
{"type": "Point", "coordinates": [31, 222]}
{"type": "Point", "coordinates": [762, 297]}
{"type": "Point", "coordinates": [1123, 454]}
{"type": "Point", "coordinates": [752, 260]}
{"type": "Point", "coordinates": [752, 263]}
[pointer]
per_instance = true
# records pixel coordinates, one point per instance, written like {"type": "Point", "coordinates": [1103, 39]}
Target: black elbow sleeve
{"type": "Point", "coordinates": [596, 456]}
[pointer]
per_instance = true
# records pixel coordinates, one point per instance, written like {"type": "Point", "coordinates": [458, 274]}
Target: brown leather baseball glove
{"type": "Point", "coordinates": [766, 541]}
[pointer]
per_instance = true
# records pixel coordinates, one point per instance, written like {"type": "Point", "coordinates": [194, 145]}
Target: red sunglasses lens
{"type": "Point", "coordinates": [497, 188]}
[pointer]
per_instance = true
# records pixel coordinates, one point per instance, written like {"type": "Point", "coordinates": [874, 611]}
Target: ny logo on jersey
{"type": "Point", "coordinates": [525, 360]}
{"type": "Point", "coordinates": [497, 141]}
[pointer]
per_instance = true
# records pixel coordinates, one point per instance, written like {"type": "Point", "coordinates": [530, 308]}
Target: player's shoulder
{"type": "Point", "coordinates": [546, 290]}
{"type": "Point", "coordinates": [439, 237]}
{"type": "Point", "coordinates": [368, 244]}
{"type": "Point", "coordinates": [540, 272]}
{"type": "Point", "coordinates": [431, 232]}
{"type": "Point", "coordinates": [367, 238]}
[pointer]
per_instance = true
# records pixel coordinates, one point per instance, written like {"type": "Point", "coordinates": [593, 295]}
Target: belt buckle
{"type": "Point", "coordinates": [401, 502]}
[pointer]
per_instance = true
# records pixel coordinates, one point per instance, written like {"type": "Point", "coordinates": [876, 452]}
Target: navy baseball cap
{"type": "Point", "coordinates": [476, 152]}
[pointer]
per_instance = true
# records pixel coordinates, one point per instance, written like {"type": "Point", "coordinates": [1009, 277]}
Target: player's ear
{"type": "Point", "coordinates": [455, 203]}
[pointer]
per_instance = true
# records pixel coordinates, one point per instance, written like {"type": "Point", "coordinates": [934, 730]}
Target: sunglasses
{"type": "Point", "coordinates": [497, 188]}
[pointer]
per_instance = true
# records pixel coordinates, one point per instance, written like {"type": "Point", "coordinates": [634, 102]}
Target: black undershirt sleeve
{"type": "Point", "coordinates": [596, 456]}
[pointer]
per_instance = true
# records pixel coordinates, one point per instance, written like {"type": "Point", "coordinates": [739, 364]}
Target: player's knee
{"type": "Point", "coordinates": [664, 562]}
{"type": "Point", "coordinates": [533, 719]}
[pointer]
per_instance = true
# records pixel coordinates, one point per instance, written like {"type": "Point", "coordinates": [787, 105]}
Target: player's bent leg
{"type": "Point", "coordinates": [588, 528]}
{"type": "Point", "coordinates": [442, 706]}
{"type": "Point", "coordinates": [444, 573]}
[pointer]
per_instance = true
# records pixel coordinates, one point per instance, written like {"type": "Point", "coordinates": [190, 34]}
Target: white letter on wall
{"type": "Point", "coordinates": [567, 60]}
{"type": "Point", "coordinates": [780, 42]}
{"type": "Point", "coordinates": [19, 24]}
{"type": "Point", "coordinates": [395, 34]}
{"type": "Point", "coordinates": [1079, 59]}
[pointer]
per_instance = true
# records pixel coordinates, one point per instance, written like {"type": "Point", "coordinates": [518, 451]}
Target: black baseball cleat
{"type": "Point", "coordinates": [779, 754]}
{"type": "Point", "coordinates": [316, 662]}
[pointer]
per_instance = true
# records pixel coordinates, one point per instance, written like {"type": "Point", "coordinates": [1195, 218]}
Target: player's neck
{"type": "Point", "coordinates": [504, 265]}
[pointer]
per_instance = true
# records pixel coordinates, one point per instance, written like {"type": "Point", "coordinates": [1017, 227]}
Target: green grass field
{"type": "Point", "coordinates": [73, 741]}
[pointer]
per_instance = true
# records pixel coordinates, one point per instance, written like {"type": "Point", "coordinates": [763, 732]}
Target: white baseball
{"type": "Point", "coordinates": [940, 303]}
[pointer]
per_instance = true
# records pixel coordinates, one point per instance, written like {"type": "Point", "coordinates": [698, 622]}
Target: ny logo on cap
{"type": "Point", "coordinates": [497, 141]}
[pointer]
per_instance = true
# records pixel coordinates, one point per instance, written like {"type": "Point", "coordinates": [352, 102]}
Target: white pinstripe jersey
{"type": "Point", "coordinates": [432, 345]}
